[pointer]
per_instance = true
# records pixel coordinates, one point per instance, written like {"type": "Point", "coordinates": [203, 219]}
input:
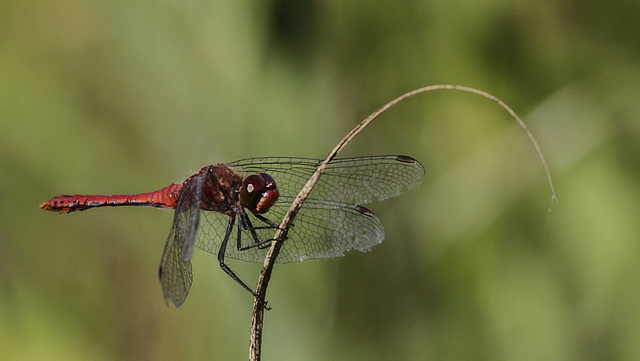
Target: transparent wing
{"type": "Point", "coordinates": [347, 180]}
{"type": "Point", "coordinates": [330, 222]}
{"type": "Point", "coordinates": [175, 266]}
{"type": "Point", "coordinates": [175, 273]}
{"type": "Point", "coordinates": [322, 229]}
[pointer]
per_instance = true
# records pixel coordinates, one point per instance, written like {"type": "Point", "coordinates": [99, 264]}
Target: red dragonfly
{"type": "Point", "coordinates": [240, 201]}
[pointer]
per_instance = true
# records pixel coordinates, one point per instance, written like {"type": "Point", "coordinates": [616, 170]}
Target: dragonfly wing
{"type": "Point", "coordinates": [325, 229]}
{"type": "Point", "coordinates": [351, 180]}
{"type": "Point", "coordinates": [331, 221]}
{"type": "Point", "coordinates": [175, 265]}
{"type": "Point", "coordinates": [322, 229]}
{"type": "Point", "coordinates": [175, 273]}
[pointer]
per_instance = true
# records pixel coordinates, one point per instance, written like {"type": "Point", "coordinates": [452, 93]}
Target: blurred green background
{"type": "Point", "coordinates": [478, 263]}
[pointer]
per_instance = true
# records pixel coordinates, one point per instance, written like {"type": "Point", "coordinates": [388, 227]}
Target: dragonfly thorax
{"type": "Point", "coordinates": [219, 185]}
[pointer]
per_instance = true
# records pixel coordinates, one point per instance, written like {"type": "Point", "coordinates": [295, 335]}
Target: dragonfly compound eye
{"type": "Point", "coordinates": [258, 193]}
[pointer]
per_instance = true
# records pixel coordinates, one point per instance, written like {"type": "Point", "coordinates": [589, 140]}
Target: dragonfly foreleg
{"type": "Point", "coordinates": [267, 221]}
{"type": "Point", "coordinates": [227, 269]}
{"type": "Point", "coordinates": [247, 225]}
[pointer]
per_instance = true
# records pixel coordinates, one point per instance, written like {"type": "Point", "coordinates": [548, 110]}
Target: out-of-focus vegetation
{"type": "Point", "coordinates": [478, 263]}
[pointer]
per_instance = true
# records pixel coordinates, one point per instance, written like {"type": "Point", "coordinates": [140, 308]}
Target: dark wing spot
{"type": "Point", "coordinates": [364, 211]}
{"type": "Point", "coordinates": [405, 159]}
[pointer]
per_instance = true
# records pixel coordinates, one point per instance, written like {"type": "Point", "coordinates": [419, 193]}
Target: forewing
{"type": "Point", "coordinates": [322, 229]}
{"type": "Point", "coordinates": [175, 266]}
{"type": "Point", "coordinates": [348, 180]}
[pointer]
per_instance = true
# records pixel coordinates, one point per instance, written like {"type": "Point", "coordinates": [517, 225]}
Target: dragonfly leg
{"type": "Point", "coordinates": [273, 225]}
{"type": "Point", "coordinates": [247, 225]}
{"type": "Point", "coordinates": [267, 221]}
{"type": "Point", "coordinates": [227, 269]}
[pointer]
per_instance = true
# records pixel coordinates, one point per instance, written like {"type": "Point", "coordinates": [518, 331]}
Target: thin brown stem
{"type": "Point", "coordinates": [255, 344]}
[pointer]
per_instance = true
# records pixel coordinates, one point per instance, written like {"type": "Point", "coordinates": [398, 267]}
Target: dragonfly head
{"type": "Point", "coordinates": [258, 193]}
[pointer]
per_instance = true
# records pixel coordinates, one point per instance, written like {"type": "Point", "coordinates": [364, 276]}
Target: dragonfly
{"type": "Point", "coordinates": [243, 202]}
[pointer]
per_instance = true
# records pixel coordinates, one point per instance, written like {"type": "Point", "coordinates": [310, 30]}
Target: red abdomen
{"type": "Point", "coordinates": [163, 198]}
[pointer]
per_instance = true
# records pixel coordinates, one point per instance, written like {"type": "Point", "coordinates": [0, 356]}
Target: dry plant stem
{"type": "Point", "coordinates": [267, 267]}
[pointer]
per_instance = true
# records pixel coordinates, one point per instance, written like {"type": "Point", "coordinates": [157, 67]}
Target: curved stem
{"type": "Point", "coordinates": [255, 344]}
